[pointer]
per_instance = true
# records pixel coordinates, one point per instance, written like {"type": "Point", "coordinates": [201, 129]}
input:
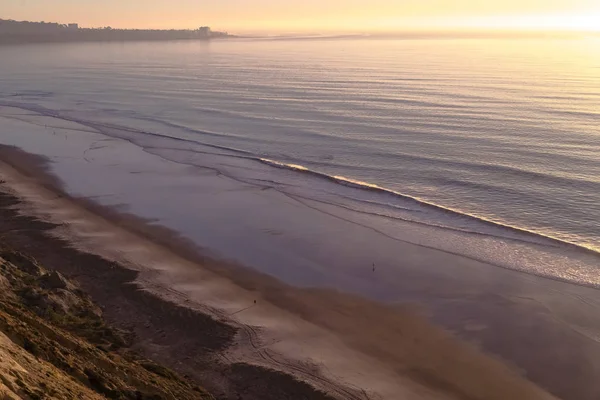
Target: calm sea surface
{"type": "Point", "coordinates": [506, 131]}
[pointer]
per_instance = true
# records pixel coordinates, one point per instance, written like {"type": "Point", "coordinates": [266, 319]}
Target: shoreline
{"type": "Point", "coordinates": [544, 248]}
{"type": "Point", "coordinates": [431, 365]}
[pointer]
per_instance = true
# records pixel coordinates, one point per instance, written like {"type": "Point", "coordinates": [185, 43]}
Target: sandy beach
{"type": "Point", "coordinates": [185, 309]}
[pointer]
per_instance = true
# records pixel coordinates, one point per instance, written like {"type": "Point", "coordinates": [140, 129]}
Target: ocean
{"type": "Point", "coordinates": [488, 149]}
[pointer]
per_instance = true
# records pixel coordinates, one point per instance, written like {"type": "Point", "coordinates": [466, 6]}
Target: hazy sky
{"type": "Point", "coordinates": [311, 15]}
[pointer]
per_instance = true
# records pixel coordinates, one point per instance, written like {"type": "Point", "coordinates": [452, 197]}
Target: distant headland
{"type": "Point", "coordinates": [45, 32]}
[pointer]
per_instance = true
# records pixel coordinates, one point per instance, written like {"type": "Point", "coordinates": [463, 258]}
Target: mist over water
{"type": "Point", "coordinates": [505, 131]}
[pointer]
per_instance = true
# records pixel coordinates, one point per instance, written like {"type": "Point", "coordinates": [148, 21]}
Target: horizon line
{"type": "Point", "coordinates": [429, 30]}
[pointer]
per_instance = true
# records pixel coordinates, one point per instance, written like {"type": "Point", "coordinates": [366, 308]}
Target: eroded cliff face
{"type": "Point", "coordinates": [55, 344]}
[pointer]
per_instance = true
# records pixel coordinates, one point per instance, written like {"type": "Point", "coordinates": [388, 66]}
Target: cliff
{"type": "Point", "coordinates": [54, 343]}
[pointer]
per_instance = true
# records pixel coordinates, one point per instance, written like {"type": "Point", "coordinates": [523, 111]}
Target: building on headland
{"type": "Point", "coordinates": [39, 32]}
{"type": "Point", "coordinates": [204, 31]}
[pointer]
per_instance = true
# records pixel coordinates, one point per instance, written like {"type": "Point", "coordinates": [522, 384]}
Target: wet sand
{"type": "Point", "coordinates": [184, 308]}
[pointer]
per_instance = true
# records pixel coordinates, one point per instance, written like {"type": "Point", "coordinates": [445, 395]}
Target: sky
{"type": "Point", "coordinates": [244, 16]}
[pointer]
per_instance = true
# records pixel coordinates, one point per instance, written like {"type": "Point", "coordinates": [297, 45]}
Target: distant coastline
{"type": "Point", "coordinates": [18, 32]}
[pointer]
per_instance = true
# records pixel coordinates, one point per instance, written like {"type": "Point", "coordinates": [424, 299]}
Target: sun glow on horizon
{"type": "Point", "coordinates": [544, 22]}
